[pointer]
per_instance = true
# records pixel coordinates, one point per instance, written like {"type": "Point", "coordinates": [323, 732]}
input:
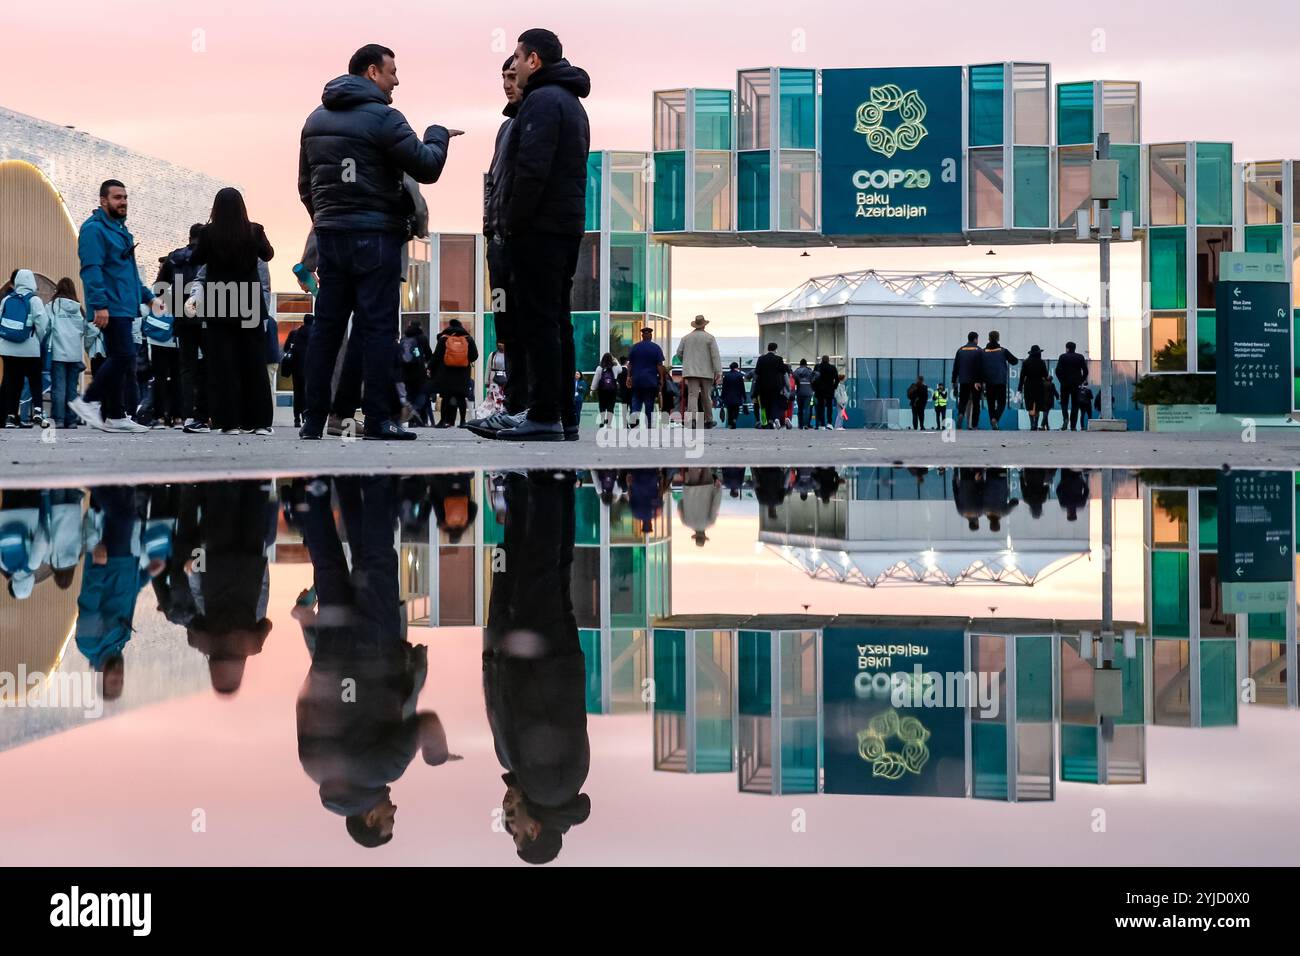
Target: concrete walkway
{"type": "Point", "coordinates": [85, 455]}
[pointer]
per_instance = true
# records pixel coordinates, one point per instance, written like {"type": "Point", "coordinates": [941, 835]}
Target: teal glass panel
{"type": "Point", "coordinates": [1218, 683]}
{"type": "Point", "coordinates": [986, 88]}
{"type": "Point", "coordinates": [670, 192]}
{"type": "Point", "coordinates": [1267, 627]}
{"type": "Point", "coordinates": [988, 741]}
{"type": "Point", "coordinates": [1032, 189]}
{"type": "Point", "coordinates": [589, 639]}
{"type": "Point", "coordinates": [1206, 334]}
{"type": "Point", "coordinates": [1167, 249]}
{"type": "Point", "coordinates": [1214, 184]}
{"type": "Point", "coordinates": [1034, 679]}
{"type": "Point", "coordinates": [656, 278]}
{"type": "Point", "coordinates": [754, 681]}
{"type": "Point", "coordinates": [627, 273]}
{"type": "Point", "coordinates": [1079, 753]}
{"type": "Point", "coordinates": [593, 192]}
{"type": "Point", "coordinates": [1208, 516]}
{"type": "Point", "coordinates": [1170, 613]}
{"type": "Point", "coordinates": [798, 109]}
{"type": "Point", "coordinates": [586, 516]}
{"type": "Point", "coordinates": [586, 340]}
{"type": "Point", "coordinates": [659, 576]}
{"type": "Point", "coordinates": [1074, 114]}
{"type": "Point", "coordinates": [713, 119]}
{"type": "Point", "coordinates": [627, 587]}
{"type": "Point", "coordinates": [713, 753]}
{"type": "Point", "coordinates": [487, 342]}
{"type": "Point", "coordinates": [670, 670]}
{"type": "Point", "coordinates": [754, 189]}
{"type": "Point", "coordinates": [1295, 353]}
{"type": "Point", "coordinates": [1266, 239]}
{"type": "Point", "coordinates": [1133, 687]}
{"type": "Point", "coordinates": [1130, 180]}
{"type": "Point", "coordinates": [799, 747]}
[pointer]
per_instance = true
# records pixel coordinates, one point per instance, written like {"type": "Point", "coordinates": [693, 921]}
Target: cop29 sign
{"type": "Point", "coordinates": [891, 151]}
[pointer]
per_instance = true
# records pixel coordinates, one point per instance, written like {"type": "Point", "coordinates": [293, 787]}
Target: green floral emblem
{"type": "Point", "coordinates": [909, 131]}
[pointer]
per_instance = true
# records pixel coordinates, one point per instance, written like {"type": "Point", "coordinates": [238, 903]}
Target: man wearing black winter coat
{"type": "Point", "coordinates": [355, 148]}
{"type": "Point", "coordinates": [545, 216]}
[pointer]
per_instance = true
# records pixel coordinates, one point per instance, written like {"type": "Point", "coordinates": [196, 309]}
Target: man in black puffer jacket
{"type": "Point", "coordinates": [355, 148]}
{"type": "Point", "coordinates": [545, 216]}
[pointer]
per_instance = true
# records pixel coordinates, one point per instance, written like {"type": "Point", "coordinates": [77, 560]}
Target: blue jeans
{"type": "Point", "coordinates": [360, 275]}
{"type": "Point", "coordinates": [64, 378]}
{"type": "Point", "coordinates": [109, 386]}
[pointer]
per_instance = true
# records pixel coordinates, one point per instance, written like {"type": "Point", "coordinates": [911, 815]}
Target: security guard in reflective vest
{"type": "Point", "coordinates": [940, 406]}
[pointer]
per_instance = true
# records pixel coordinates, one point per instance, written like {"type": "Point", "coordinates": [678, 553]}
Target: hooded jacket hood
{"type": "Point", "coordinates": [25, 282]}
{"type": "Point", "coordinates": [561, 73]}
{"type": "Point", "coordinates": [347, 92]}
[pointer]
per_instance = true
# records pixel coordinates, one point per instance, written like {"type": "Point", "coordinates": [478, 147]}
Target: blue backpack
{"type": "Point", "coordinates": [15, 318]}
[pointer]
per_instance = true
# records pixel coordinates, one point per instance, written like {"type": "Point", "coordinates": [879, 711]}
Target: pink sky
{"type": "Point", "coordinates": [234, 110]}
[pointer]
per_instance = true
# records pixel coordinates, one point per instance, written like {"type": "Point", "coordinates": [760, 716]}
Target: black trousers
{"type": "Point", "coordinates": [996, 397]}
{"type": "Point", "coordinates": [193, 368]}
{"type": "Point", "coordinates": [918, 417]}
{"type": "Point", "coordinates": [239, 391]}
{"type": "Point", "coordinates": [968, 405]}
{"type": "Point", "coordinates": [1069, 405]}
{"type": "Point", "coordinates": [166, 364]}
{"type": "Point", "coordinates": [774, 406]}
{"type": "Point", "coordinates": [825, 412]}
{"type": "Point", "coordinates": [541, 269]}
{"type": "Point", "coordinates": [516, 388]}
{"type": "Point", "coordinates": [18, 371]}
{"type": "Point", "coordinates": [360, 276]}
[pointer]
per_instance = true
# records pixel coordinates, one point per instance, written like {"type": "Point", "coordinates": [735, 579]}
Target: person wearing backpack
{"type": "Point", "coordinates": [415, 372]}
{"type": "Point", "coordinates": [192, 366]}
{"type": "Point", "coordinates": [24, 323]}
{"type": "Point", "coordinates": [606, 387]}
{"type": "Point", "coordinates": [453, 357]}
{"type": "Point", "coordinates": [24, 540]}
{"type": "Point", "coordinates": [71, 337]}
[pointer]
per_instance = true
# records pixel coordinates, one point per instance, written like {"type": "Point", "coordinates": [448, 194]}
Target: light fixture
{"type": "Point", "coordinates": [990, 253]}
{"type": "Point", "coordinates": [804, 254]}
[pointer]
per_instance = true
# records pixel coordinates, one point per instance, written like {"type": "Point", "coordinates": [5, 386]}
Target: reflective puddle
{"type": "Point", "coordinates": [710, 665]}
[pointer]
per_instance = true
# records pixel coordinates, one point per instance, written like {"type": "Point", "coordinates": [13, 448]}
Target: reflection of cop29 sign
{"type": "Point", "coordinates": [891, 151]}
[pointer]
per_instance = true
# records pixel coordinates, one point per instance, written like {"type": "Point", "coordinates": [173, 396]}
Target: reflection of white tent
{"type": "Point", "coordinates": [945, 563]}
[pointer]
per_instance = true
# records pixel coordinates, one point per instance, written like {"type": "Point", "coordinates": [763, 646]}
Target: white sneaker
{"type": "Point", "coordinates": [89, 412]}
{"type": "Point", "coordinates": [262, 431]}
{"type": "Point", "coordinates": [230, 431]}
{"type": "Point", "coordinates": [125, 425]}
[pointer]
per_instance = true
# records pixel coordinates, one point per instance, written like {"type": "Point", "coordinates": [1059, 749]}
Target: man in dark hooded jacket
{"type": "Point", "coordinates": [496, 189]}
{"type": "Point", "coordinates": [545, 216]}
{"type": "Point", "coordinates": [534, 675]}
{"type": "Point", "coordinates": [355, 148]}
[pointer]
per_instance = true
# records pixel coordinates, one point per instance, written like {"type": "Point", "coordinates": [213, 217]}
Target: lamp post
{"type": "Point", "coordinates": [1105, 188]}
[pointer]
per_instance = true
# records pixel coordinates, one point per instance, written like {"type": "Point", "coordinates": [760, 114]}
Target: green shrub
{"type": "Point", "coordinates": [1174, 390]}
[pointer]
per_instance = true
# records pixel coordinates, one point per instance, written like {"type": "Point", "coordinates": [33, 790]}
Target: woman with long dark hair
{"type": "Point", "coordinates": [239, 391]}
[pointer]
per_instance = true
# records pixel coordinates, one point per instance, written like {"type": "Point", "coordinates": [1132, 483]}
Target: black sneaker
{"type": "Point", "coordinates": [193, 426]}
{"type": "Point", "coordinates": [388, 430]}
{"type": "Point", "coordinates": [571, 433]}
{"type": "Point", "coordinates": [311, 431]}
{"type": "Point", "coordinates": [530, 430]}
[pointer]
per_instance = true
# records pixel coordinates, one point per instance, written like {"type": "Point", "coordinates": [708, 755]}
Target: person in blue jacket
{"type": "Point", "coordinates": [110, 583]}
{"type": "Point", "coordinates": [733, 393]}
{"type": "Point", "coordinates": [114, 294]}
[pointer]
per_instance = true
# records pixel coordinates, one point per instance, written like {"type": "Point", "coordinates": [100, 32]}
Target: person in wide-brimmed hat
{"type": "Point", "coordinates": [1034, 388]}
{"type": "Point", "coordinates": [701, 369]}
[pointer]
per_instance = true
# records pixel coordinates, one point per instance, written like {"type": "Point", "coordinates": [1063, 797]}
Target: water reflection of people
{"type": "Point", "coordinates": [968, 495]}
{"type": "Point", "coordinates": [115, 571]}
{"type": "Point", "coordinates": [1072, 492]}
{"type": "Point", "coordinates": [1035, 486]}
{"type": "Point", "coordinates": [998, 502]}
{"type": "Point", "coordinates": [533, 669]}
{"type": "Point", "coordinates": [358, 727]}
{"type": "Point", "coordinates": [24, 540]}
{"type": "Point", "coordinates": [231, 585]}
{"type": "Point", "coordinates": [700, 502]}
{"type": "Point", "coordinates": [771, 486]}
{"type": "Point", "coordinates": [453, 504]}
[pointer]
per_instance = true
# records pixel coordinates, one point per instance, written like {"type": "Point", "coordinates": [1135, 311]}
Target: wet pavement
{"type": "Point", "coordinates": [758, 665]}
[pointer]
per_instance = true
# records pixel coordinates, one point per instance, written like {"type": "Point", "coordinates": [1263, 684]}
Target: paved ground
{"type": "Point", "coordinates": [87, 455]}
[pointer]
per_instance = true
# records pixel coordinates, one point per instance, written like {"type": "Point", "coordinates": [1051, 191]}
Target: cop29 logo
{"type": "Point", "coordinates": [906, 134]}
